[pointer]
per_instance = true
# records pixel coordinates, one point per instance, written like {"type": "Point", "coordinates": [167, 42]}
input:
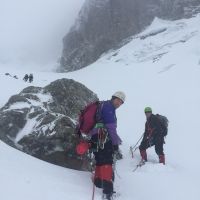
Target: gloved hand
{"type": "Point", "coordinates": [115, 147]}
{"type": "Point", "coordinates": [150, 141]}
{"type": "Point", "coordinates": [117, 153]}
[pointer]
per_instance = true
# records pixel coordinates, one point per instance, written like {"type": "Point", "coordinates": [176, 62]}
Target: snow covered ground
{"type": "Point", "coordinates": [159, 68]}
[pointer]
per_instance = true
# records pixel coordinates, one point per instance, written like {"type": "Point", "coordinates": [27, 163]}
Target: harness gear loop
{"type": "Point", "coordinates": [102, 135]}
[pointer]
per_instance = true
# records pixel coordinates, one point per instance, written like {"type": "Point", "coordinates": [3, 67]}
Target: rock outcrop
{"type": "Point", "coordinates": [42, 121]}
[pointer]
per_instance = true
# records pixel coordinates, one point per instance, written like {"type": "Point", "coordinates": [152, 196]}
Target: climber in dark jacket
{"type": "Point", "coordinates": [153, 135]}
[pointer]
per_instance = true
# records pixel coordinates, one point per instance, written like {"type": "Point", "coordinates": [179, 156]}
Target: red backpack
{"type": "Point", "coordinates": [88, 118]}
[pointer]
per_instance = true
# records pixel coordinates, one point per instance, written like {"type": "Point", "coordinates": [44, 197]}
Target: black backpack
{"type": "Point", "coordinates": [164, 123]}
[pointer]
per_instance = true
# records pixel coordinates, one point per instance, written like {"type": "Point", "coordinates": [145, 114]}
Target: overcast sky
{"type": "Point", "coordinates": [31, 27]}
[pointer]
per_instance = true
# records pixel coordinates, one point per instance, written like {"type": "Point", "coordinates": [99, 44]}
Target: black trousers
{"type": "Point", "coordinates": [158, 142]}
{"type": "Point", "coordinates": [104, 160]}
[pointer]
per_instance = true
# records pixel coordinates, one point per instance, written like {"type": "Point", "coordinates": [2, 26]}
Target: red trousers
{"type": "Point", "coordinates": [104, 172]}
{"type": "Point", "coordinates": [103, 178]}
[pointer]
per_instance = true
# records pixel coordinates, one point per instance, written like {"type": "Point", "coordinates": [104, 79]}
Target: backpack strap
{"type": "Point", "coordinates": [98, 113]}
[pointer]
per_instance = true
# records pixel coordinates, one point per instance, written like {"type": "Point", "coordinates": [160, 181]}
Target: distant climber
{"type": "Point", "coordinates": [15, 76]}
{"type": "Point", "coordinates": [26, 77]}
{"type": "Point", "coordinates": [7, 74]}
{"type": "Point", "coordinates": [30, 78]}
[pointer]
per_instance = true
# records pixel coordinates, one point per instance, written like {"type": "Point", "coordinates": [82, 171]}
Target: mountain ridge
{"type": "Point", "coordinates": [103, 25]}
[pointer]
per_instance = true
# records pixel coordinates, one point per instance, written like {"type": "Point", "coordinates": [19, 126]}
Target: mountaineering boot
{"type": "Point", "coordinates": [143, 154]}
{"type": "Point", "coordinates": [162, 159]}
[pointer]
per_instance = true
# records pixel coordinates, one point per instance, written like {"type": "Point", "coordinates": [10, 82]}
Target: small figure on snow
{"type": "Point", "coordinates": [15, 76]}
{"type": "Point", "coordinates": [7, 74]}
{"type": "Point", "coordinates": [25, 77]}
{"type": "Point", "coordinates": [30, 78]}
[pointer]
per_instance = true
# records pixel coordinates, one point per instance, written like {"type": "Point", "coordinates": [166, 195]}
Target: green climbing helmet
{"type": "Point", "coordinates": [147, 109]}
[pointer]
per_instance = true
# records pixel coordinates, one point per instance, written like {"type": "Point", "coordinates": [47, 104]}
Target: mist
{"type": "Point", "coordinates": [31, 31]}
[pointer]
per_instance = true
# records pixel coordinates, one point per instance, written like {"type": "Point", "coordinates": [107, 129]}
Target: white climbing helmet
{"type": "Point", "coordinates": [119, 94]}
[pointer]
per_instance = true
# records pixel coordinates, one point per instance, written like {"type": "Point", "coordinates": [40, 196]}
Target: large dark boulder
{"type": "Point", "coordinates": [104, 24]}
{"type": "Point", "coordinates": [42, 121]}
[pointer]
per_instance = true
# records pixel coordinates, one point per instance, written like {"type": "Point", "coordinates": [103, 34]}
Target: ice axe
{"type": "Point", "coordinates": [135, 147]}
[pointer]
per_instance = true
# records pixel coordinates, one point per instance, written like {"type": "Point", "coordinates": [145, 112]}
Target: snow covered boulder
{"type": "Point", "coordinates": [42, 121]}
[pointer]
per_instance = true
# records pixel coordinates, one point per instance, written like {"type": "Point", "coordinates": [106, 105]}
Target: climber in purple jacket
{"type": "Point", "coordinates": [105, 143]}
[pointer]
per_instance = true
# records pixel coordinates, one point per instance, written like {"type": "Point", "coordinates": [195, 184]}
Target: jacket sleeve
{"type": "Point", "coordinates": [110, 122]}
{"type": "Point", "coordinates": [112, 131]}
{"type": "Point", "coordinates": [145, 132]}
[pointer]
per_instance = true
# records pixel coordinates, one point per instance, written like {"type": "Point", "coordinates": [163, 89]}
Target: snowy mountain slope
{"type": "Point", "coordinates": [162, 71]}
{"type": "Point", "coordinates": [103, 24]}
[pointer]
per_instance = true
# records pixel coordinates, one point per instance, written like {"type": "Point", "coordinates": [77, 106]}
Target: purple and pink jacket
{"type": "Point", "coordinates": [109, 119]}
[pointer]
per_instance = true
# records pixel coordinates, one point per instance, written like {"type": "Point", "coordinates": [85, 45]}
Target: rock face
{"type": "Point", "coordinates": [104, 24]}
{"type": "Point", "coordinates": [42, 121]}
